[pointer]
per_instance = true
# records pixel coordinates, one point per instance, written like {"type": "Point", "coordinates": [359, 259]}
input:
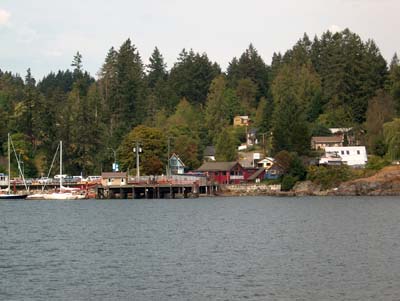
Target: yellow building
{"type": "Point", "coordinates": [241, 121]}
{"type": "Point", "coordinates": [113, 178]}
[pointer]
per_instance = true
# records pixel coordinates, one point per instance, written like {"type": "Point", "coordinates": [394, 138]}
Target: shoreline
{"type": "Point", "coordinates": [385, 182]}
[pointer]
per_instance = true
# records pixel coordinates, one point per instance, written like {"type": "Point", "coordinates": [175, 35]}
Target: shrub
{"type": "Point", "coordinates": [329, 176]}
{"type": "Point", "coordinates": [376, 163]}
{"type": "Point", "coordinates": [288, 182]}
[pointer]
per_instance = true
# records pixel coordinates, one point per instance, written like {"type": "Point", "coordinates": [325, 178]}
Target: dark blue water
{"type": "Point", "coordinates": [255, 248]}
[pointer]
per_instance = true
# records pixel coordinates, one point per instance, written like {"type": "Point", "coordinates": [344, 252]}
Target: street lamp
{"type": "Point", "coordinates": [115, 164]}
{"type": "Point", "coordinates": [137, 149]}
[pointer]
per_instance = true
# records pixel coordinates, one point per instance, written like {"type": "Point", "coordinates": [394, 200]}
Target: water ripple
{"type": "Point", "coordinates": [259, 248]}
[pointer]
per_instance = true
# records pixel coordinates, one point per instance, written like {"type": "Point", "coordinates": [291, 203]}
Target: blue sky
{"type": "Point", "coordinates": [45, 34]}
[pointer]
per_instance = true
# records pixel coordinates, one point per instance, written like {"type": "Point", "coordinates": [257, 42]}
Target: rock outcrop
{"type": "Point", "coordinates": [385, 182]}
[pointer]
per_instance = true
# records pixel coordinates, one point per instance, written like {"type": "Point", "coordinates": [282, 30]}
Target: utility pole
{"type": "Point", "coordinates": [263, 142]}
{"type": "Point", "coordinates": [168, 156]}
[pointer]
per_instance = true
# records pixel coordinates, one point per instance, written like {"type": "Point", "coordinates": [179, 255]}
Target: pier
{"type": "Point", "coordinates": [121, 186]}
{"type": "Point", "coordinates": [156, 188]}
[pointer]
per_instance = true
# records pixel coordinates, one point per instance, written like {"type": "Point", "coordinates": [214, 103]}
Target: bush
{"type": "Point", "coordinates": [329, 176]}
{"type": "Point", "coordinates": [376, 163]}
{"type": "Point", "coordinates": [271, 181]}
{"type": "Point", "coordinates": [288, 182]}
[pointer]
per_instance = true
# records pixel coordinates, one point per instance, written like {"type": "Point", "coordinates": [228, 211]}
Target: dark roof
{"type": "Point", "coordinates": [217, 166]}
{"type": "Point", "coordinates": [256, 174]}
{"type": "Point", "coordinates": [113, 175]}
{"type": "Point", "coordinates": [209, 151]}
{"type": "Point", "coordinates": [336, 139]}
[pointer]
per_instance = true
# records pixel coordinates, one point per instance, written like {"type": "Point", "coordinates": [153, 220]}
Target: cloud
{"type": "Point", "coordinates": [4, 16]}
{"type": "Point", "coordinates": [334, 28]}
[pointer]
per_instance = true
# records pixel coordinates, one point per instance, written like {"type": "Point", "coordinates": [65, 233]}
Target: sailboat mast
{"type": "Point", "coordinates": [9, 161]}
{"type": "Point", "coordinates": [60, 165]}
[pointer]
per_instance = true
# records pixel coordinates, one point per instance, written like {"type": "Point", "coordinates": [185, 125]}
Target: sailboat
{"type": "Point", "coordinates": [64, 193]}
{"type": "Point", "coordinates": [9, 195]}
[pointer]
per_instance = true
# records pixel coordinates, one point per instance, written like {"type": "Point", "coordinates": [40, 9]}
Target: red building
{"type": "Point", "coordinates": [224, 172]}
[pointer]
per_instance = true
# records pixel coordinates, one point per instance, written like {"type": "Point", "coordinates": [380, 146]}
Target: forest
{"type": "Point", "coordinates": [335, 80]}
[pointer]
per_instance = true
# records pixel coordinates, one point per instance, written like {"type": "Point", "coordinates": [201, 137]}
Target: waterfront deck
{"type": "Point", "coordinates": [154, 191]}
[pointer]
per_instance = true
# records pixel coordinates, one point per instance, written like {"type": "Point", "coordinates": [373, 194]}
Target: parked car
{"type": "Point", "coordinates": [44, 180]}
{"type": "Point", "coordinates": [57, 177]}
{"type": "Point", "coordinates": [93, 179]}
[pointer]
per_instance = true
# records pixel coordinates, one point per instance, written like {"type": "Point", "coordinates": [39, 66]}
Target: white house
{"type": "Point", "coordinates": [176, 165]}
{"type": "Point", "coordinates": [340, 130]}
{"type": "Point", "coordinates": [267, 163]}
{"type": "Point", "coordinates": [350, 155]}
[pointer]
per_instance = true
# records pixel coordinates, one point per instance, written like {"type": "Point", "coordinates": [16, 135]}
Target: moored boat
{"type": "Point", "coordinates": [9, 195]}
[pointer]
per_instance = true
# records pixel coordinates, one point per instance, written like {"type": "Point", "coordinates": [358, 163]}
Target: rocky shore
{"type": "Point", "coordinates": [385, 182]}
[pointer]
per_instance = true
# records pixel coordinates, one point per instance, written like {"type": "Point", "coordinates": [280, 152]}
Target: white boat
{"type": "Point", "coordinates": [64, 196]}
{"type": "Point", "coordinates": [9, 195]}
{"type": "Point", "coordinates": [63, 193]}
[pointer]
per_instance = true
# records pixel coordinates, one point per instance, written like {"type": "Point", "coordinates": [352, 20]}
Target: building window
{"type": "Point", "coordinates": [348, 152]}
{"type": "Point", "coordinates": [358, 152]}
{"type": "Point", "coordinates": [342, 152]}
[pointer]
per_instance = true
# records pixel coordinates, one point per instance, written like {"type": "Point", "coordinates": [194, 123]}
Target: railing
{"type": "Point", "coordinates": [173, 180]}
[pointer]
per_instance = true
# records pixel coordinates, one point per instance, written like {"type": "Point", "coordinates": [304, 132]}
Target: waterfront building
{"type": "Point", "coordinates": [114, 178]}
{"type": "Point", "coordinates": [355, 156]}
{"type": "Point", "coordinates": [224, 172]}
{"type": "Point", "coordinates": [176, 165]}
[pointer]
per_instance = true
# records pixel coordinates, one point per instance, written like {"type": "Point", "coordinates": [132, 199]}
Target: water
{"type": "Point", "coordinates": [254, 248]}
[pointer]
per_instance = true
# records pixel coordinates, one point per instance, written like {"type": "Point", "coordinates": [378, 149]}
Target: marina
{"type": "Point", "coordinates": [147, 187]}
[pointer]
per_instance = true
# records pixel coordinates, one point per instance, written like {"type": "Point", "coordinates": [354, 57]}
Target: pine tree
{"type": "Point", "coordinates": [292, 90]}
{"type": "Point", "coordinates": [191, 76]}
{"type": "Point", "coordinates": [250, 65]}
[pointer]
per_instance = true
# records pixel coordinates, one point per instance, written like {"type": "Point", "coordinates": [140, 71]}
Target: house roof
{"type": "Point", "coordinates": [332, 139]}
{"type": "Point", "coordinates": [217, 166]}
{"type": "Point", "coordinates": [209, 151]}
{"type": "Point", "coordinates": [242, 117]}
{"type": "Point", "coordinates": [177, 158]}
{"type": "Point", "coordinates": [114, 175]}
{"type": "Point", "coordinates": [256, 174]}
{"type": "Point", "coordinates": [266, 159]}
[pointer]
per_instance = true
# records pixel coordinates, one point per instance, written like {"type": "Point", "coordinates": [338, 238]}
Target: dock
{"type": "Point", "coordinates": [157, 188]}
{"type": "Point", "coordinates": [145, 187]}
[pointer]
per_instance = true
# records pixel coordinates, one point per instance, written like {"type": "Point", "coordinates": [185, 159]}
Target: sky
{"type": "Point", "coordinates": [44, 35]}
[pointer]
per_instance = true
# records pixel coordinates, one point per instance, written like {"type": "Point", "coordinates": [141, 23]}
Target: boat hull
{"type": "Point", "coordinates": [13, 196]}
{"type": "Point", "coordinates": [63, 196]}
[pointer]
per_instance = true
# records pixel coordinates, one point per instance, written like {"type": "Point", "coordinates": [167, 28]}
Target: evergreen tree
{"type": "Point", "coordinates": [216, 113]}
{"type": "Point", "coordinates": [129, 95]}
{"type": "Point", "coordinates": [191, 76]}
{"type": "Point", "coordinates": [292, 90]}
{"type": "Point", "coordinates": [250, 65]}
{"type": "Point", "coordinates": [226, 146]}
{"type": "Point", "coordinates": [156, 70]}
{"type": "Point", "coordinates": [262, 120]}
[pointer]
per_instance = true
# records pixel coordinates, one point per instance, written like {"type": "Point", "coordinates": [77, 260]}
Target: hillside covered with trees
{"type": "Point", "coordinates": [335, 80]}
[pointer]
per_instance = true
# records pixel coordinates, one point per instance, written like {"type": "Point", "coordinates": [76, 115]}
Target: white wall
{"type": "Point", "coordinates": [351, 155]}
